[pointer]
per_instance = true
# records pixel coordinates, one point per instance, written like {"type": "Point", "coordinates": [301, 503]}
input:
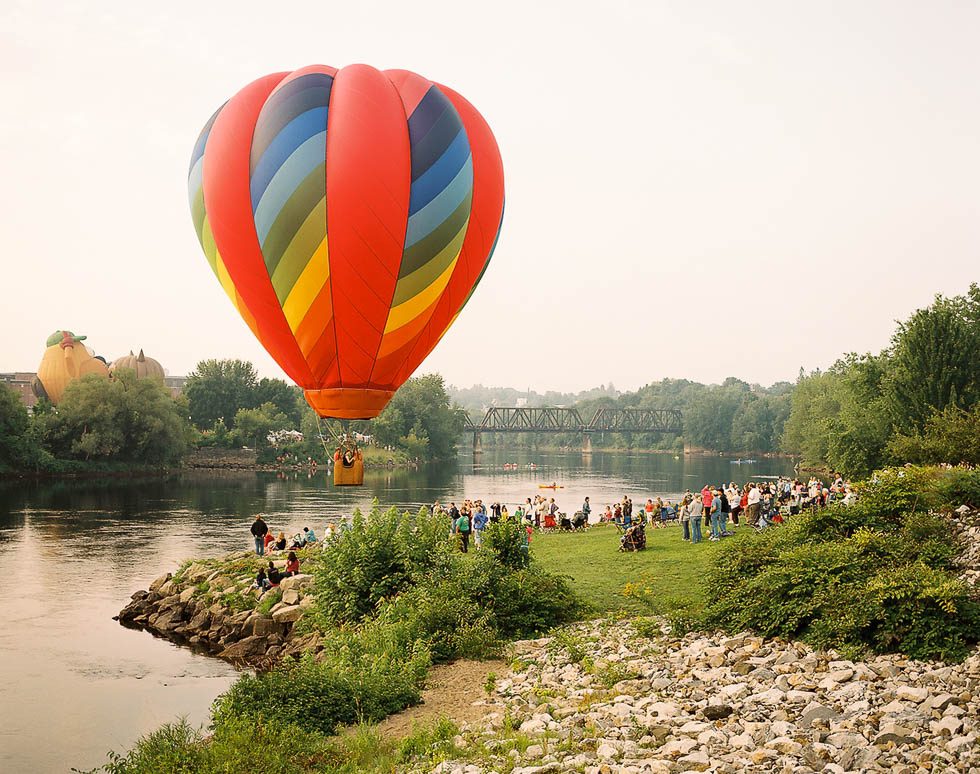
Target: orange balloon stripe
{"type": "Point", "coordinates": [229, 207]}
{"type": "Point", "coordinates": [316, 325]}
{"type": "Point", "coordinates": [368, 181]}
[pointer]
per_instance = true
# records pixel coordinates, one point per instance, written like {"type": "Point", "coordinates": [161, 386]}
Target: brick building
{"type": "Point", "coordinates": [20, 382]}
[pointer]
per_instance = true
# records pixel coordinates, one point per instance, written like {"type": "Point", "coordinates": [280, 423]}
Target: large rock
{"type": "Point", "coordinates": [250, 647]}
{"type": "Point", "coordinates": [289, 614]}
{"type": "Point", "coordinates": [263, 627]}
{"type": "Point", "coordinates": [155, 586]}
{"type": "Point", "coordinates": [296, 582]}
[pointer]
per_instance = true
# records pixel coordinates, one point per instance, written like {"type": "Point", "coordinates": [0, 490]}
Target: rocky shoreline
{"type": "Point", "coordinates": [603, 697]}
{"type": "Point", "coordinates": [214, 609]}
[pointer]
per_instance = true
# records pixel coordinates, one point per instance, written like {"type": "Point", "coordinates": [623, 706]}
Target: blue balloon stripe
{"type": "Point", "coordinates": [286, 103]}
{"type": "Point", "coordinates": [202, 138]}
{"type": "Point", "coordinates": [440, 174]}
{"type": "Point", "coordinates": [292, 172]}
{"type": "Point", "coordinates": [434, 214]}
{"type": "Point", "coordinates": [294, 134]}
{"type": "Point", "coordinates": [196, 177]}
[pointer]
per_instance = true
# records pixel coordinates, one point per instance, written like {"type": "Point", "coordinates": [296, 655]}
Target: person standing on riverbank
{"type": "Point", "coordinates": [754, 504]}
{"type": "Point", "coordinates": [586, 509]}
{"type": "Point", "coordinates": [259, 531]}
{"type": "Point", "coordinates": [696, 511]}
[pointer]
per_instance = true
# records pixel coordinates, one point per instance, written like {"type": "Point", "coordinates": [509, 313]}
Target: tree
{"type": "Point", "coordinates": [420, 419]}
{"type": "Point", "coordinates": [951, 436]}
{"type": "Point", "coordinates": [124, 419]}
{"type": "Point", "coordinates": [13, 429]}
{"type": "Point", "coordinates": [252, 426]}
{"type": "Point", "coordinates": [934, 360]}
{"type": "Point", "coordinates": [217, 389]}
{"type": "Point", "coordinates": [287, 399]}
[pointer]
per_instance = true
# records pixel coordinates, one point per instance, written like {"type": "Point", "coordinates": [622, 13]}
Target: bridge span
{"type": "Point", "coordinates": [570, 420]}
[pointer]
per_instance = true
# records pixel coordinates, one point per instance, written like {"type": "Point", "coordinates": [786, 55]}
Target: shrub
{"type": "Point", "coordinates": [877, 575]}
{"type": "Point", "coordinates": [508, 541]}
{"type": "Point", "coordinates": [378, 557]}
{"type": "Point", "coordinates": [959, 486]}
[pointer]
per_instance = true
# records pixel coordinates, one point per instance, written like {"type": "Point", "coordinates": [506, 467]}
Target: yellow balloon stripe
{"type": "Point", "coordinates": [304, 243]}
{"type": "Point", "coordinates": [307, 287]}
{"type": "Point", "coordinates": [406, 312]}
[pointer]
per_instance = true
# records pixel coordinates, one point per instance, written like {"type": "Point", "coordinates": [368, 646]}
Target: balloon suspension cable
{"type": "Point", "coordinates": [344, 439]}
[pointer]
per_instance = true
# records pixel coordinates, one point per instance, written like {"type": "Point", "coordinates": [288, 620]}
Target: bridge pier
{"type": "Point", "coordinates": [477, 445]}
{"type": "Point", "coordinates": [587, 443]}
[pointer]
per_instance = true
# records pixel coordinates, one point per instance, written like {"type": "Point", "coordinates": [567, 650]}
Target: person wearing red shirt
{"type": "Point", "coordinates": [292, 564]}
{"type": "Point", "coordinates": [706, 498]}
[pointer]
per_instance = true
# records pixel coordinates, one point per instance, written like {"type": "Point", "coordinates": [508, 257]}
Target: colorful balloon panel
{"type": "Point", "coordinates": [348, 214]}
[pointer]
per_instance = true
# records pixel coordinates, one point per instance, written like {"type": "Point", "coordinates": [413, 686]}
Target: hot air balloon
{"type": "Point", "coordinates": [65, 360]}
{"type": "Point", "coordinates": [349, 215]}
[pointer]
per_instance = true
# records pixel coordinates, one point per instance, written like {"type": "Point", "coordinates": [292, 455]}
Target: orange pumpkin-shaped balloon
{"type": "Point", "coordinates": [349, 214]}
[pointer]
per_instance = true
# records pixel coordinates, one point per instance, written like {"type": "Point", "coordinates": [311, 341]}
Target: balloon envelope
{"type": "Point", "coordinates": [348, 214]}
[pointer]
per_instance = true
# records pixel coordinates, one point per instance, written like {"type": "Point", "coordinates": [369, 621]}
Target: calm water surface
{"type": "Point", "coordinates": [75, 684]}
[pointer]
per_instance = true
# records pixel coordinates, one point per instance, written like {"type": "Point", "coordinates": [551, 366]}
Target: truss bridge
{"type": "Point", "coordinates": [570, 420]}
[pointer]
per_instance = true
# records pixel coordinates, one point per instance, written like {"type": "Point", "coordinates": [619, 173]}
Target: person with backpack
{"type": "Point", "coordinates": [463, 530]}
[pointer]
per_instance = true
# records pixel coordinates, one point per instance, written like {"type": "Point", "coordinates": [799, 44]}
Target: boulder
{"type": "Point", "coordinates": [290, 597]}
{"type": "Point", "coordinates": [296, 582]}
{"type": "Point", "coordinates": [155, 586]}
{"type": "Point", "coordinates": [250, 647]}
{"type": "Point", "coordinates": [263, 627]}
{"type": "Point", "coordinates": [892, 732]}
{"type": "Point", "coordinates": [289, 614]}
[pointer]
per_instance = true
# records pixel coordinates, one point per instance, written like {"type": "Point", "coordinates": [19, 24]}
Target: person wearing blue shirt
{"type": "Point", "coordinates": [479, 524]}
{"type": "Point", "coordinates": [308, 535]}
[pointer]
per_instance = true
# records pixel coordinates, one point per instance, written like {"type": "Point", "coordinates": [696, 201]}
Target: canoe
{"type": "Point", "coordinates": [550, 486]}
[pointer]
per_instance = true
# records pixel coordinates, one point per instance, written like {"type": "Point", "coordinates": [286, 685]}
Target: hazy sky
{"type": "Point", "coordinates": [694, 189]}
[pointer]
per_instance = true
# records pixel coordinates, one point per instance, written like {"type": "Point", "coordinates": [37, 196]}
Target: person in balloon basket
{"type": "Point", "coordinates": [259, 531]}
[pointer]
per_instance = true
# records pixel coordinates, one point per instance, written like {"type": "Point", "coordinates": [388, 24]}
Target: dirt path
{"type": "Point", "coordinates": [450, 692]}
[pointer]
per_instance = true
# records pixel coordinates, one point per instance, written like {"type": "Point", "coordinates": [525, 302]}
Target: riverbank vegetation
{"type": "Point", "coordinates": [918, 400]}
{"type": "Point", "coordinates": [393, 595]}
{"type": "Point", "coordinates": [122, 424]}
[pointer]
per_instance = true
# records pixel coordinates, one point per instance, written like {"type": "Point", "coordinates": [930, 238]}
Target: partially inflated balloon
{"type": "Point", "coordinates": [348, 214]}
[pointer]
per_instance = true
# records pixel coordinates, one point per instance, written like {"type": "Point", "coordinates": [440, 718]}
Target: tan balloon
{"type": "Point", "coordinates": [145, 367]}
{"type": "Point", "coordinates": [65, 362]}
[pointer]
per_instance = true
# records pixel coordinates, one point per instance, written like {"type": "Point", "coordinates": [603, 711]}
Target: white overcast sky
{"type": "Point", "coordinates": [694, 189]}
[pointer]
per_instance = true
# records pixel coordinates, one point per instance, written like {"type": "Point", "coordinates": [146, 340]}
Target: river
{"type": "Point", "coordinates": [76, 684]}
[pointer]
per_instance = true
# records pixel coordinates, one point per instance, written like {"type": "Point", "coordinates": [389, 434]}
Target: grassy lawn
{"type": "Point", "coordinates": [664, 577]}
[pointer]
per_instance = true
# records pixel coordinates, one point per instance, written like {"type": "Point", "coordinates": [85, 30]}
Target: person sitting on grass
{"type": "Point", "coordinates": [267, 541]}
{"type": "Point", "coordinates": [298, 542]}
{"type": "Point", "coordinates": [280, 544]}
{"type": "Point", "coordinates": [292, 565]}
{"type": "Point", "coordinates": [308, 536]}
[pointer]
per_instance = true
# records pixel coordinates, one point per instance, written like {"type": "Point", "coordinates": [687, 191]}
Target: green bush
{"type": "Point", "coordinates": [377, 558]}
{"type": "Point", "coordinates": [353, 684]}
{"type": "Point", "coordinates": [234, 746]}
{"type": "Point", "coordinates": [959, 486]}
{"type": "Point", "coordinates": [508, 541]}
{"type": "Point", "coordinates": [878, 575]}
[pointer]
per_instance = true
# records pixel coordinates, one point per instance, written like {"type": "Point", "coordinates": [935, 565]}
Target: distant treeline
{"type": "Point", "coordinates": [916, 401]}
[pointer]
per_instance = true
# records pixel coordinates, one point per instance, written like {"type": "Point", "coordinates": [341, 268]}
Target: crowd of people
{"type": "Point", "coordinates": [709, 514]}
